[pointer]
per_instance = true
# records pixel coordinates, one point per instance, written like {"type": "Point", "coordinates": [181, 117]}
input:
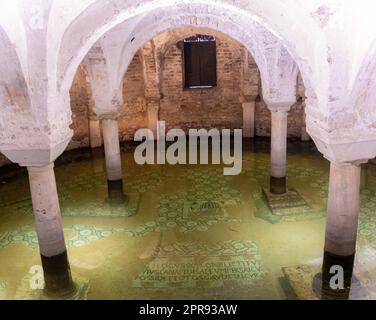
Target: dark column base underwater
{"type": "Point", "coordinates": [115, 192]}
{"type": "Point", "coordinates": [57, 275]}
{"type": "Point", "coordinates": [278, 185]}
{"type": "Point", "coordinates": [347, 264]}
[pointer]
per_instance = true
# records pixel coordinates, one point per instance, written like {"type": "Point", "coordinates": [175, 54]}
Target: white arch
{"type": "Point", "coordinates": [12, 24]}
{"type": "Point", "coordinates": [363, 95]}
{"type": "Point", "coordinates": [255, 11]}
{"type": "Point", "coordinates": [164, 25]}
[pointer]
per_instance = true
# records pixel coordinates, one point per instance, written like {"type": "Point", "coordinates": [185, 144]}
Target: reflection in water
{"type": "Point", "coordinates": [188, 231]}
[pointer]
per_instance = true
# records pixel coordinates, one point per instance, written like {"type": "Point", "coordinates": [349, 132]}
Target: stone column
{"type": "Point", "coordinates": [278, 152]}
{"type": "Point", "coordinates": [57, 274]}
{"type": "Point", "coordinates": [248, 119]}
{"type": "Point", "coordinates": [113, 160]}
{"type": "Point", "coordinates": [95, 133]}
{"type": "Point", "coordinates": [341, 228]}
{"type": "Point", "coordinates": [153, 116]}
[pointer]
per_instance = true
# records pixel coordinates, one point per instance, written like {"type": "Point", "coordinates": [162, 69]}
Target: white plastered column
{"type": "Point", "coordinates": [46, 210]}
{"type": "Point", "coordinates": [278, 152]}
{"type": "Point", "coordinates": [343, 209]}
{"type": "Point", "coordinates": [112, 149]}
{"type": "Point", "coordinates": [113, 160]}
{"type": "Point", "coordinates": [341, 228]}
{"type": "Point", "coordinates": [56, 269]}
{"type": "Point", "coordinates": [248, 119]}
{"type": "Point", "coordinates": [278, 143]}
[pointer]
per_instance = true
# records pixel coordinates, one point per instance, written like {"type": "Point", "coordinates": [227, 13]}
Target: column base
{"type": "Point", "coordinates": [278, 185]}
{"type": "Point", "coordinates": [115, 192]}
{"type": "Point", "coordinates": [347, 263]}
{"type": "Point", "coordinates": [57, 276]}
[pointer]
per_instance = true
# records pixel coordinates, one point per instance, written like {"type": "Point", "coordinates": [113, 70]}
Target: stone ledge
{"type": "Point", "coordinates": [306, 284]}
{"type": "Point", "coordinates": [290, 206]}
{"type": "Point", "coordinates": [289, 203]}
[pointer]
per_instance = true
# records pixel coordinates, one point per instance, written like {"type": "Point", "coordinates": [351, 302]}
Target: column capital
{"type": "Point", "coordinates": [37, 157]}
{"type": "Point", "coordinates": [356, 163]}
{"type": "Point", "coordinates": [109, 116]}
{"type": "Point", "coordinates": [93, 117]}
{"type": "Point", "coordinates": [107, 108]}
{"type": "Point", "coordinates": [344, 154]}
{"type": "Point", "coordinates": [279, 106]}
{"type": "Point", "coordinates": [44, 168]}
{"type": "Point", "coordinates": [340, 150]}
{"type": "Point", "coordinates": [248, 104]}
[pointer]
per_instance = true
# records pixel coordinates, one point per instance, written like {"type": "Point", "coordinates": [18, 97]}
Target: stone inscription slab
{"type": "Point", "coordinates": [192, 265]}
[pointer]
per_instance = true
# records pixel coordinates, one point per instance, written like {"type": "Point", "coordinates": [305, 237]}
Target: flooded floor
{"type": "Point", "coordinates": [186, 232]}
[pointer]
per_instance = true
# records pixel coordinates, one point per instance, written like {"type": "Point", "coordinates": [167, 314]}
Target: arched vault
{"type": "Point", "coordinates": [332, 43]}
{"type": "Point", "coordinates": [115, 50]}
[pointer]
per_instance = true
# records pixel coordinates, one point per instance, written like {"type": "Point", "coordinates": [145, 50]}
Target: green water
{"type": "Point", "coordinates": [187, 231]}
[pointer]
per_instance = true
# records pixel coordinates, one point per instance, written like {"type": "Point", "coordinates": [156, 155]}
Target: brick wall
{"type": "Point", "coordinates": [218, 107]}
{"type": "Point", "coordinates": [263, 120]}
{"type": "Point", "coordinates": [133, 112]}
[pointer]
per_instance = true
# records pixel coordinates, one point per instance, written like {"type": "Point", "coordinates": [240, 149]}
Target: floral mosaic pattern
{"type": "Point", "coordinates": [82, 235]}
{"type": "Point", "coordinates": [367, 217]}
{"type": "Point", "coordinates": [197, 209]}
{"type": "Point", "coordinates": [104, 209]}
{"type": "Point", "coordinates": [259, 169]}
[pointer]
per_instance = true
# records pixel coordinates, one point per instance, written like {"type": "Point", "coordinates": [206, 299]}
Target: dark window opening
{"type": "Point", "coordinates": [200, 62]}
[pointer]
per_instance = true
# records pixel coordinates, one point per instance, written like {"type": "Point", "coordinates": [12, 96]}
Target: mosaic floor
{"type": "Point", "coordinates": [187, 232]}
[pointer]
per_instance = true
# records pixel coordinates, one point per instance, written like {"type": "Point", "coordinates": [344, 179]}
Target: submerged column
{"type": "Point", "coordinates": [57, 274]}
{"type": "Point", "coordinates": [248, 119]}
{"type": "Point", "coordinates": [341, 229]}
{"type": "Point", "coordinates": [278, 153]}
{"type": "Point", "coordinates": [113, 160]}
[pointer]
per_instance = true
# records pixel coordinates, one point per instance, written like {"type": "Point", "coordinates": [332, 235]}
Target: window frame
{"type": "Point", "coordinates": [199, 39]}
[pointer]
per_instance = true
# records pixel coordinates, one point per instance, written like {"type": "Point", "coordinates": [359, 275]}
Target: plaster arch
{"type": "Point", "coordinates": [363, 96]}
{"type": "Point", "coordinates": [154, 10]}
{"type": "Point", "coordinates": [258, 42]}
{"type": "Point", "coordinates": [14, 97]}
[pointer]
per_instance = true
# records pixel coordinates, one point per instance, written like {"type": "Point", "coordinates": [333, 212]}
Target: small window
{"type": "Point", "coordinates": [200, 62]}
